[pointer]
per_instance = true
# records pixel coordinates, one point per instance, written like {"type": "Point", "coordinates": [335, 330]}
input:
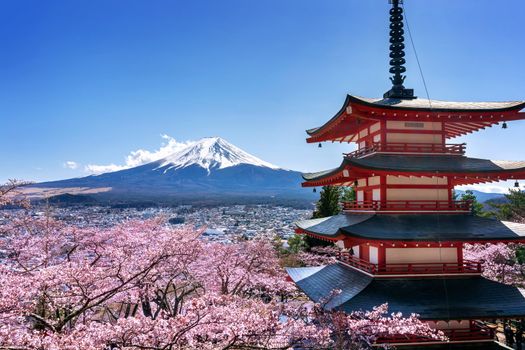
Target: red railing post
{"type": "Point", "coordinates": [409, 268]}
{"type": "Point", "coordinates": [404, 205]}
{"type": "Point", "coordinates": [408, 147]}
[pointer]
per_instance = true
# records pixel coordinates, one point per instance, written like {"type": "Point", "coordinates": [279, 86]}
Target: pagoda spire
{"type": "Point", "coordinates": [397, 54]}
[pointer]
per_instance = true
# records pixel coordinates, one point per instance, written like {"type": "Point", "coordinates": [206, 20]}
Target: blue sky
{"type": "Point", "coordinates": [90, 81]}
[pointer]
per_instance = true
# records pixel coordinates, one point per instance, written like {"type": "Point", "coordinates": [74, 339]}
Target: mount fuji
{"type": "Point", "coordinates": [211, 153]}
{"type": "Point", "coordinates": [206, 169]}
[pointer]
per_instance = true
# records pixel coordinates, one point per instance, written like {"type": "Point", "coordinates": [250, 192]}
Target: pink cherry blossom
{"type": "Point", "coordinates": [146, 285]}
{"type": "Point", "coordinates": [499, 262]}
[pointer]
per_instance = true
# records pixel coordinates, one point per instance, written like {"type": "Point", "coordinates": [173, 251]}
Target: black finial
{"type": "Point", "coordinates": [397, 54]}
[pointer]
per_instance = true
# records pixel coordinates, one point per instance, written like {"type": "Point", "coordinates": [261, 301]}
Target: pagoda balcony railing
{"type": "Point", "coordinates": [459, 334]}
{"type": "Point", "coordinates": [466, 266]}
{"type": "Point", "coordinates": [408, 206]}
{"type": "Point", "coordinates": [394, 147]}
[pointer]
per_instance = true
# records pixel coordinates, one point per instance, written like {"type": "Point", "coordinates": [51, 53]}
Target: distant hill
{"type": "Point", "coordinates": [487, 198]}
{"type": "Point", "coordinates": [67, 199]}
{"type": "Point", "coordinates": [211, 169]}
{"type": "Point", "coordinates": [483, 197]}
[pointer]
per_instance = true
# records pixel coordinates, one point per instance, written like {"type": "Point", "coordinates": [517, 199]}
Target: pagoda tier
{"type": "Point", "coordinates": [410, 229]}
{"type": "Point", "coordinates": [389, 245]}
{"type": "Point", "coordinates": [397, 169]}
{"type": "Point", "coordinates": [412, 183]}
{"type": "Point", "coordinates": [454, 305]}
{"type": "Point", "coordinates": [448, 119]}
{"type": "Point", "coordinates": [454, 298]}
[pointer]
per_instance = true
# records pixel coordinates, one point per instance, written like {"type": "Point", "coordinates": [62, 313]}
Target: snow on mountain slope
{"type": "Point", "coordinates": [211, 153]}
{"type": "Point", "coordinates": [210, 169]}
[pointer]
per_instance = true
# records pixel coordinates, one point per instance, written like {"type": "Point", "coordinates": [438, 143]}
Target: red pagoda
{"type": "Point", "coordinates": [404, 234]}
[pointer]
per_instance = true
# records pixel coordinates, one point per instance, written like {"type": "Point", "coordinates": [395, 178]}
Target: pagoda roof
{"type": "Point", "coordinates": [422, 165]}
{"type": "Point", "coordinates": [422, 104]}
{"type": "Point", "coordinates": [443, 298]}
{"type": "Point", "coordinates": [414, 227]}
{"type": "Point", "coordinates": [473, 115]}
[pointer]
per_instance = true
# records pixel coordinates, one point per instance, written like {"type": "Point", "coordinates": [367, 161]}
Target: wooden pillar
{"type": "Point", "coordinates": [381, 260]}
{"type": "Point", "coordinates": [450, 189]}
{"type": "Point", "coordinates": [443, 135]}
{"type": "Point", "coordinates": [382, 189]}
{"type": "Point", "coordinates": [460, 253]}
{"type": "Point", "coordinates": [383, 132]}
{"type": "Point", "coordinates": [364, 250]}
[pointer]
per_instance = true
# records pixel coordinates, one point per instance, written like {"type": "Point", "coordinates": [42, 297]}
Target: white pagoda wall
{"type": "Point", "coordinates": [375, 127]}
{"type": "Point", "coordinates": [401, 132]}
{"type": "Point", "coordinates": [415, 180]}
{"type": "Point", "coordinates": [357, 251]}
{"type": "Point", "coordinates": [441, 194]}
{"type": "Point", "coordinates": [373, 255]}
{"type": "Point", "coordinates": [393, 137]}
{"type": "Point", "coordinates": [420, 255]}
{"type": "Point", "coordinates": [414, 194]}
{"type": "Point", "coordinates": [402, 125]}
{"type": "Point", "coordinates": [405, 194]}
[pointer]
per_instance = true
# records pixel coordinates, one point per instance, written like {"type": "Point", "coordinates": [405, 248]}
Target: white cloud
{"type": "Point", "coordinates": [496, 187]}
{"type": "Point", "coordinates": [99, 169]}
{"type": "Point", "coordinates": [141, 156]}
{"type": "Point", "coordinates": [71, 165]}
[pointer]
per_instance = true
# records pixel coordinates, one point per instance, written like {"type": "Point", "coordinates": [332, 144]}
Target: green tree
{"type": "Point", "coordinates": [329, 202]}
{"type": "Point", "coordinates": [477, 207]}
{"type": "Point", "coordinates": [297, 243]}
{"type": "Point", "coordinates": [348, 194]}
{"type": "Point", "coordinates": [514, 209]}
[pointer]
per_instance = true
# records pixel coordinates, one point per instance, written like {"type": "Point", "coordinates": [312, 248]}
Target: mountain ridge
{"type": "Point", "coordinates": [209, 167]}
{"type": "Point", "coordinates": [212, 152]}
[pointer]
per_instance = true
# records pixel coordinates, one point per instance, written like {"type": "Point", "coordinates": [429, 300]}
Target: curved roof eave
{"type": "Point", "coordinates": [414, 227]}
{"type": "Point", "coordinates": [431, 164]}
{"type": "Point", "coordinates": [314, 131]}
{"type": "Point", "coordinates": [323, 174]}
{"type": "Point", "coordinates": [437, 105]}
{"type": "Point", "coordinates": [421, 105]}
{"type": "Point", "coordinates": [441, 298]}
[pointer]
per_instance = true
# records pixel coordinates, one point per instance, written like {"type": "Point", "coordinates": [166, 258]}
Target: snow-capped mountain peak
{"type": "Point", "coordinates": [211, 153]}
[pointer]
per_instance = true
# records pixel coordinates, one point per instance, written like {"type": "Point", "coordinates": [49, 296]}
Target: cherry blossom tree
{"type": "Point", "coordinates": [146, 285]}
{"type": "Point", "coordinates": [318, 256]}
{"type": "Point", "coordinates": [10, 193]}
{"type": "Point", "coordinates": [138, 284]}
{"type": "Point", "coordinates": [500, 261]}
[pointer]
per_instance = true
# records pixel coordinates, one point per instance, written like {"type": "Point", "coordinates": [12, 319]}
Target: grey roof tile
{"type": "Point", "coordinates": [415, 227]}
{"type": "Point", "coordinates": [432, 298]}
{"type": "Point", "coordinates": [330, 226]}
{"type": "Point", "coordinates": [421, 163]}
{"type": "Point", "coordinates": [319, 286]}
{"type": "Point", "coordinates": [423, 105]}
